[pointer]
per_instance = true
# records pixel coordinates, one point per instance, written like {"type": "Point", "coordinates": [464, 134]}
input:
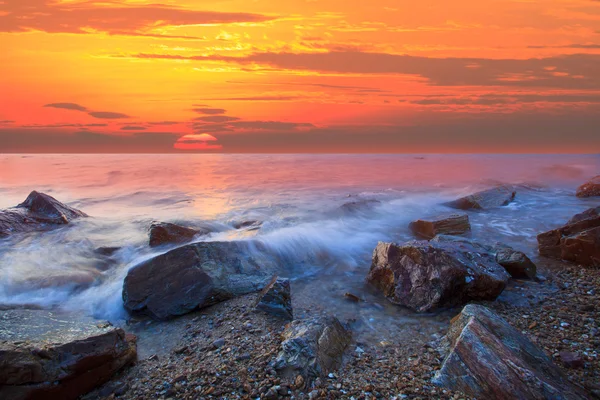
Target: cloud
{"type": "Point", "coordinates": [217, 118]}
{"type": "Point", "coordinates": [575, 71]}
{"type": "Point", "coordinates": [113, 17]}
{"type": "Point", "coordinates": [164, 123]}
{"type": "Point", "coordinates": [497, 99]}
{"type": "Point", "coordinates": [108, 115]}
{"type": "Point", "coordinates": [133, 128]}
{"type": "Point", "coordinates": [210, 111]}
{"type": "Point", "coordinates": [67, 106]}
{"type": "Point", "coordinates": [7, 122]}
{"type": "Point", "coordinates": [568, 46]}
{"type": "Point", "coordinates": [257, 98]}
{"type": "Point", "coordinates": [197, 142]}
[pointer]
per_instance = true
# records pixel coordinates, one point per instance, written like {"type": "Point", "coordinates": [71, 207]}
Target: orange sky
{"type": "Point", "coordinates": [300, 76]}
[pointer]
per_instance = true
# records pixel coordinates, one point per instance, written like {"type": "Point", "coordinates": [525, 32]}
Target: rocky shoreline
{"type": "Point", "coordinates": [508, 326]}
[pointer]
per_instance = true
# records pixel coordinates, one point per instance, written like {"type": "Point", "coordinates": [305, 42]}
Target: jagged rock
{"type": "Point", "coordinates": [250, 225]}
{"type": "Point", "coordinates": [312, 348]}
{"type": "Point", "coordinates": [50, 355]}
{"type": "Point", "coordinates": [495, 197]}
{"type": "Point", "coordinates": [39, 212]}
{"type": "Point", "coordinates": [489, 359]}
{"type": "Point", "coordinates": [578, 241]}
{"type": "Point", "coordinates": [425, 275]}
{"type": "Point", "coordinates": [276, 299]}
{"type": "Point", "coordinates": [449, 224]}
{"type": "Point", "coordinates": [167, 233]}
{"type": "Point", "coordinates": [195, 276]}
{"type": "Point", "coordinates": [359, 205]}
{"type": "Point", "coordinates": [590, 188]}
{"type": "Point", "coordinates": [516, 263]}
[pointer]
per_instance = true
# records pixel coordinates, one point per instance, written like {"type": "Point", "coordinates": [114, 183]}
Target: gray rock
{"type": "Point", "coordinates": [312, 348]}
{"type": "Point", "coordinates": [276, 299]}
{"type": "Point", "coordinates": [448, 224]}
{"type": "Point", "coordinates": [39, 212]}
{"type": "Point", "coordinates": [196, 276]}
{"type": "Point", "coordinates": [425, 275]}
{"type": "Point", "coordinates": [489, 359]}
{"type": "Point", "coordinates": [495, 197]}
{"type": "Point", "coordinates": [51, 355]}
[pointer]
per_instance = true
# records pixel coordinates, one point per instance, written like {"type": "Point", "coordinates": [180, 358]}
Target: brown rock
{"type": "Point", "coordinates": [589, 213]}
{"type": "Point", "coordinates": [39, 212]}
{"type": "Point", "coordinates": [424, 275]}
{"type": "Point", "coordinates": [495, 197]}
{"type": "Point", "coordinates": [578, 241]}
{"type": "Point", "coordinates": [49, 355]}
{"type": "Point", "coordinates": [590, 188]}
{"type": "Point", "coordinates": [489, 359]}
{"type": "Point", "coordinates": [195, 276]}
{"type": "Point", "coordinates": [516, 263]}
{"type": "Point", "coordinates": [571, 360]}
{"type": "Point", "coordinates": [450, 224]}
{"type": "Point", "coordinates": [312, 348]}
{"type": "Point", "coordinates": [167, 233]}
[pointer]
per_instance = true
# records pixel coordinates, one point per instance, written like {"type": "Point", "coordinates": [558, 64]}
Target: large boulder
{"type": "Point", "coordinates": [195, 276]}
{"type": "Point", "coordinates": [589, 213]}
{"type": "Point", "coordinates": [590, 188]}
{"type": "Point", "coordinates": [38, 212]}
{"type": "Point", "coordinates": [312, 348]}
{"type": "Point", "coordinates": [162, 233]}
{"type": "Point", "coordinates": [51, 355]}
{"type": "Point", "coordinates": [578, 241]}
{"type": "Point", "coordinates": [425, 275]}
{"type": "Point", "coordinates": [276, 299]}
{"type": "Point", "coordinates": [448, 224]}
{"type": "Point", "coordinates": [489, 359]}
{"type": "Point", "coordinates": [495, 197]}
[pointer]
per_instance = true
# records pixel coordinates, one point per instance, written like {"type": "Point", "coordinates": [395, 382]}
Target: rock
{"type": "Point", "coordinates": [425, 275]}
{"type": "Point", "coordinates": [107, 251]}
{"type": "Point", "coordinates": [578, 241]}
{"type": "Point", "coordinates": [39, 212]}
{"type": "Point", "coordinates": [450, 224]}
{"type": "Point", "coordinates": [167, 233]}
{"type": "Point", "coordinates": [495, 197]}
{"type": "Point", "coordinates": [250, 225]}
{"type": "Point", "coordinates": [516, 263]}
{"type": "Point", "coordinates": [359, 205]}
{"type": "Point", "coordinates": [196, 276]}
{"type": "Point", "coordinates": [589, 213]}
{"type": "Point", "coordinates": [590, 188]}
{"type": "Point", "coordinates": [311, 348]}
{"type": "Point", "coordinates": [571, 360]}
{"type": "Point", "coordinates": [276, 299]}
{"type": "Point", "coordinates": [217, 344]}
{"type": "Point", "coordinates": [50, 355]}
{"type": "Point", "coordinates": [489, 359]}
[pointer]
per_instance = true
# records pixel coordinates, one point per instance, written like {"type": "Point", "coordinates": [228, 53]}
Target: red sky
{"type": "Point", "coordinates": [300, 76]}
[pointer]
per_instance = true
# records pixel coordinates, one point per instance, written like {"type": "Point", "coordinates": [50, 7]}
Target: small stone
{"type": "Point", "coordinates": [571, 360]}
{"type": "Point", "coordinates": [218, 343]}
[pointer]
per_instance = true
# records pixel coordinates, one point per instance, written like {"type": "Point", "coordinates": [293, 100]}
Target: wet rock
{"type": "Point", "coordinates": [359, 205]}
{"type": "Point", "coordinates": [489, 359]}
{"type": "Point", "coordinates": [425, 275]}
{"type": "Point", "coordinates": [590, 188]}
{"type": "Point", "coordinates": [571, 360]}
{"type": "Point", "coordinates": [196, 276]}
{"type": "Point", "coordinates": [516, 263]}
{"type": "Point", "coordinates": [312, 348]}
{"type": "Point", "coordinates": [250, 225]}
{"type": "Point", "coordinates": [49, 355]}
{"type": "Point", "coordinates": [589, 213]}
{"type": "Point", "coordinates": [449, 224]}
{"type": "Point", "coordinates": [167, 233]}
{"type": "Point", "coordinates": [495, 197]}
{"type": "Point", "coordinates": [107, 251]}
{"type": "Point", "coordinates": [39, 212]}
{"type": "Point", "coordinates": [578, 241]}
{"type": "Point", "coordinates": [276, 299]}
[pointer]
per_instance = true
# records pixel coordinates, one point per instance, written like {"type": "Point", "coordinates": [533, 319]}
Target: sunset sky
{"type": "Point", "coordinates": [300, 76]}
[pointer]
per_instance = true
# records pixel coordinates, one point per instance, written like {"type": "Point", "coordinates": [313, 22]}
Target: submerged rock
{"type": "Point", "coordinates": [578, 241]}
{"type": "Point", "coordinates": [590, 188]}
{"type": "Point", "coordinates": [495, 197]}
{"type": "Point", "coordinates": [489, 359]}
{"type": "Point", "coordinates": [167, 233]}
{"type": "Point", "coordinates": [276, 299]}
{"type": "Point", "coordinates": [38, 212]}
{"type": "Point", "coordinates": [250, 225]}
{"type": "Point", "coordinates": [195, 276]}
{"type": "Point", "coordinates": [312, 348]}
{"type": "Point", "coordinates": [359, 205]}
{"type": "Point", "coordinates": [49, 355]}
{"type": "Point", "coordinates": [449, 224]}
{"type": "Point", "coordinates": [425, 275]}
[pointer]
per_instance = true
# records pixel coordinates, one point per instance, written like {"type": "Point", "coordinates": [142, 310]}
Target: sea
{"type": "Point", "coordinates": [298, 198]}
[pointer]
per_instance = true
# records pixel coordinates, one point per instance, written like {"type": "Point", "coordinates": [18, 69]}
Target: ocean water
{"type": "Point", "coordinates": [297, 196]}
